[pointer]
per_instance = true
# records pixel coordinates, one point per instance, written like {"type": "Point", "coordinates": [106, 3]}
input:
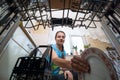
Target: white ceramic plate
{"type": "Point", "coordinates": [101, 67]}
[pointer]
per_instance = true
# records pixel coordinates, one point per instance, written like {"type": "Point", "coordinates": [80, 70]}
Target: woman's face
{"type": "Point", "coordinates": [60, 38]}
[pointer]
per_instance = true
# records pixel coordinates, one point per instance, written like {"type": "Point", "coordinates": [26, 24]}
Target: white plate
{"type": "Point", "coordinates": [101, 67]}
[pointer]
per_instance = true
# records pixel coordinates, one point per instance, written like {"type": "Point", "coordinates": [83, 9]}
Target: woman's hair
{"type": "Point", "coordinates": [59, 32]}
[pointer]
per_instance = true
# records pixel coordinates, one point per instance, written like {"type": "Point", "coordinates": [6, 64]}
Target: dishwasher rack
{"type": "Point", "coordinates": [42, 12]}
{"type": "Point", "coordinates": [32, 67]}
{"type": "Point", "coordinates": [115, 59]}
{"type": "Point", "coordinates": [36, 13]}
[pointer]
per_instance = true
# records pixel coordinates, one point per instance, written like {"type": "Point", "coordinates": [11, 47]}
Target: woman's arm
{"type": "Point", "coordinates": [76, 63]}
{"type": "Point", "coordinates": [60, 62]}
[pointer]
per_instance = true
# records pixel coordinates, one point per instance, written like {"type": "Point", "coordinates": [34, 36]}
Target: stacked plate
{"type": "Point", "coordinates": [101, 67]}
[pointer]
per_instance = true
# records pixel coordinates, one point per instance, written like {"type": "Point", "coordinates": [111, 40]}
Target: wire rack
{"type": "Point", "coordinates": [115, 58]}
{"type": "Point", "coordinates": [41, 12]}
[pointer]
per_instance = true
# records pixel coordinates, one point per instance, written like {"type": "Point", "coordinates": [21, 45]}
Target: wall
{"type": "Point", "coordinates": [46, 36]}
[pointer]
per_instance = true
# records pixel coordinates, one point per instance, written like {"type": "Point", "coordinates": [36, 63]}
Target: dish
{"type": "Point", "coordinates": [101, 67]}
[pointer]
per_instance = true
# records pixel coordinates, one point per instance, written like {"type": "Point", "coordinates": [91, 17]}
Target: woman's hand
{"type": "Point", "coordinates": [79, 64]}
{"type": "Point", "coordinates": [68, 74]}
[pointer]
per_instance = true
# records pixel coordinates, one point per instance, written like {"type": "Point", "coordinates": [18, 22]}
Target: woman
{"type": "Point", "coordinates": [58, 59]}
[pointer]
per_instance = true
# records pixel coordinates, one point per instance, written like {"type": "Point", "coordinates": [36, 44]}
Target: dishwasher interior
{"type": "Point", "coordinates": [42, 11]}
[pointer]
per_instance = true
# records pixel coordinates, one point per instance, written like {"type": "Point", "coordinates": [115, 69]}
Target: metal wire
{"type": "Point", "coordinates": [93, 7]}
